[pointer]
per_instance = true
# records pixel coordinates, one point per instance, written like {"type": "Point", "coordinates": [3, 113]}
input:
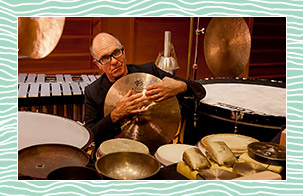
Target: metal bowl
{"type": "Point", "coordinates": [127, 165]}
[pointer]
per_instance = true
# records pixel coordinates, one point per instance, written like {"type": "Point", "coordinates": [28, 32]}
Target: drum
{"type": "Point", "coordinates": [121, 145]}
{"type": "Point", "coordinates": [170, 154]}
{"type": "Point", "coordinates": [38, 128]}
{"type": "Point", "coordinates": [255, 108]}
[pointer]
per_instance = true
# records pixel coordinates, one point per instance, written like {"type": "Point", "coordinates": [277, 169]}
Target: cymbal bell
{"type": "Point", "coordinates": [38, 36]}
{"type": "Point", "coordinates": [227, 46]}
{"type": "Point", "coordinates": [155, 127]}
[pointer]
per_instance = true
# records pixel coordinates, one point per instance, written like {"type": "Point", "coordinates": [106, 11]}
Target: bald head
{"type": "Point", "coordinates": [101, 42]}
{"type": "Point", "coordinates": [105, 45]}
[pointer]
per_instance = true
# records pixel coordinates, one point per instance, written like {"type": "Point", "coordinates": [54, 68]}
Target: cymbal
{"type": "Point", "coordinates": [155, 127]}
{"type": "Point", "coordinates": [244, 168]}
{"type": "Point", "coordinates": [215, 174]}
{"type": "Point", "coordinates": [38, 36]}
{"type": "Point", "coordinates": [267, 152]}
{"type": "Point", "coordinates": [227, 46]}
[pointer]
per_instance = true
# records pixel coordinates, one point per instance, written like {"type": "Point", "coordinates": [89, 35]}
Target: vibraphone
{"type": "Point", "coordinates": [61, 94]}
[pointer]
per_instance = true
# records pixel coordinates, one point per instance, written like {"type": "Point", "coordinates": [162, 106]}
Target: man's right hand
{"type": "Point", "coordinates": [129, 104]}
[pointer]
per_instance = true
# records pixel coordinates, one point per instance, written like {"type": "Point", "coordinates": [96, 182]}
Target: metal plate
{"type": "Point", "coordinates": [267, 152]}
{"type": "Point", "coordinates": [215, 174]}
{"type": "Point", "coordinates": [245, 168]}
{"type": "Point", "coordinates": [39, 160]}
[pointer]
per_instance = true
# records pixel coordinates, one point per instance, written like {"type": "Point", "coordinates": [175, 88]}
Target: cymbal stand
{"type": "Point", "coordinates": [198, 32]}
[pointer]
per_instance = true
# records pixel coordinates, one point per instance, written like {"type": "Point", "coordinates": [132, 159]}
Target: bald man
{"type": "Point", "coordinates": [109, 56]}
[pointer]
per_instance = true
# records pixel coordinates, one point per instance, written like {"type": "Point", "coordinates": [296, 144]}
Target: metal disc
{"type": "Point", "coordinates": [245, 168]}
{"type": "Point", "coordinates": [215, 174]}
{"type": "Point", "coordinates": [155, 127]}
{"type": "Point", "coordinates": [39, 160]}
{"type": "Point", "coordinates": [267, 152]}
{"type": "Point", "coordinates": [38, 36]}
{"type": "Point", "coordinates": [227, 46]}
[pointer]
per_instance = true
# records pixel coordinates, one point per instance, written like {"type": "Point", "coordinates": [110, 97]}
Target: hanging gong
{"type": "Point", "coordinates": [155, 127]}
{"type": "Point", "coordinates": [227, 46]}
{"type": "Point", "coordinates": [38, 36]}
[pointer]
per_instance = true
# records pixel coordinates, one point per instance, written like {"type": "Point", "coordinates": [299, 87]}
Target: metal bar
{"type": "Point", "coordinates": [68, 78]}
{"type": "Point", "coordinates": [22, 92]}
{"type": "Point", "coordinates": [45, 90]}
{"type": "Point", "coordinates": [56, 91]}
{"type": "Point", "coordinates": [92, 78]}
{"type": "Point", "coordinates": [21, 78]}
{"type": "Point", "coordinates": [34, 90]}
{"type": "Point", "coordinates": [59, 78]}
{"type": "Point", "coordinates": [66, 89]}
{"type": "Point", "coordinates": [85, 78]}
{"type": "Point", "coordinates": [41, 78]}
{"type": "Point", "coordinates": [31, 78]}
{"type": "Point", "coordinates": [75, 88]}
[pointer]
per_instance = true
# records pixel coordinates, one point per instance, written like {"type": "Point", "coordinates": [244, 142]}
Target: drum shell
{"type": "Point", "coordinates": [213, 122]}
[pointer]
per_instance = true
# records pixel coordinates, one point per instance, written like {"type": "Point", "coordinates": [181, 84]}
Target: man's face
{"type": "Point", "coordinates": [116, 68]}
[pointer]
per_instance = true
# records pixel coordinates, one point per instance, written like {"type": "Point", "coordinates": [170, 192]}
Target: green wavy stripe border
{"type": "Point", "coordinates": [10, 10]}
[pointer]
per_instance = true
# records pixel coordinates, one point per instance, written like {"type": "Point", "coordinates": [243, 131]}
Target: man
{"type": "Point", "coordinates": [109, 56]}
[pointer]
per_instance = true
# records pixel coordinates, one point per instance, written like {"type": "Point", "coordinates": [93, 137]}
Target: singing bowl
{"type": "Point", "coordinates": [127, 166]}
{"type": "Point", "coordinates": [74, 173]}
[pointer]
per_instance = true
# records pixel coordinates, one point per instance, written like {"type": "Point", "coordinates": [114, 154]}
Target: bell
{"type": "Point", "coordinates": [167, 62]}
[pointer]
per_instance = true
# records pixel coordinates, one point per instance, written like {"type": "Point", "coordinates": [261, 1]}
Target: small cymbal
{"type": "Point", "coordinates": [38, 36]}
{"type": "Point", "coordinates": [267, 152]}
{"type": "Point", "coordinates": [227, 46]}
{"type": "Point", "coordinates": [245, 168]}
{"type": "Point", "coordinates": [215, 174]}
{"type": "Point", "coordinates": [155, 127]}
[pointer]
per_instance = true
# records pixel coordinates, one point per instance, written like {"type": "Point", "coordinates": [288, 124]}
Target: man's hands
{"type": "Point", "coordinates": [168, 88]}
{"type": "Point", "coordinates": [129, 104]}
{"type": "Point", "coordinates": [133, 103]}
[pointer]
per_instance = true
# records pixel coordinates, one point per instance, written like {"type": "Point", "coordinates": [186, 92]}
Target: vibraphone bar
{"type": "Point", "coordinates": [61, 94]}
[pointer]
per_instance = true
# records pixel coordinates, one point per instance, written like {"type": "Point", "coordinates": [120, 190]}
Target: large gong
{"type": "Point", "coordinates": [227, 46]}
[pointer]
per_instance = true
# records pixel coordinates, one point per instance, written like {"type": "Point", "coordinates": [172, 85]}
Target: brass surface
{"type": "Point", "coordinates": [39, 160]}
{"type": "Point", "coordinates": [245, 168]}
{"type": "Point", "coordinates": [155, 127]}
{"type": "Point", "coordinates": [127, 165]}
{"type": "Point", "coordinates": [267, 152]}
{"type": "Point", "coordinates": [227, 45]}
{"type": "Point", "coordinates": [215, 174]}
{"type": "Point", "coordinates": [38, 36]}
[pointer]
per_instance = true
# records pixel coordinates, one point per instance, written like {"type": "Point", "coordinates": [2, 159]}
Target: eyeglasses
{"type": "Point", "coordinates": [108, 58]}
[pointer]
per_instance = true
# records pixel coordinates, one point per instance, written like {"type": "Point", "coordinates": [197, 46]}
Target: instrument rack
{"type": "Point", "coordinates": [60, 94]}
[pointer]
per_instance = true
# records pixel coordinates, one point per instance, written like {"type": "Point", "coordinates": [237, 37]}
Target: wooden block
{"type": "Point", "coordinates": [283, 138]}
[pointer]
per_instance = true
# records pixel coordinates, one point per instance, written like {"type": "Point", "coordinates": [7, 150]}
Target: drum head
{"type": "Point", "coordinates": [171, 153]}
{"type": "Point", "coordinates": [251, 98]}
{"type": "Point", "coordinates": [236, 142]}
{"type": "Point", "coordinates": [37, 128]}
{"type": "Point", "coordinates": [121, 145]}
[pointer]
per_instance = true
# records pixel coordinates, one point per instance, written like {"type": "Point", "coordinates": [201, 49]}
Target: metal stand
{"type": "Point", "coordinates": [198, 32]}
